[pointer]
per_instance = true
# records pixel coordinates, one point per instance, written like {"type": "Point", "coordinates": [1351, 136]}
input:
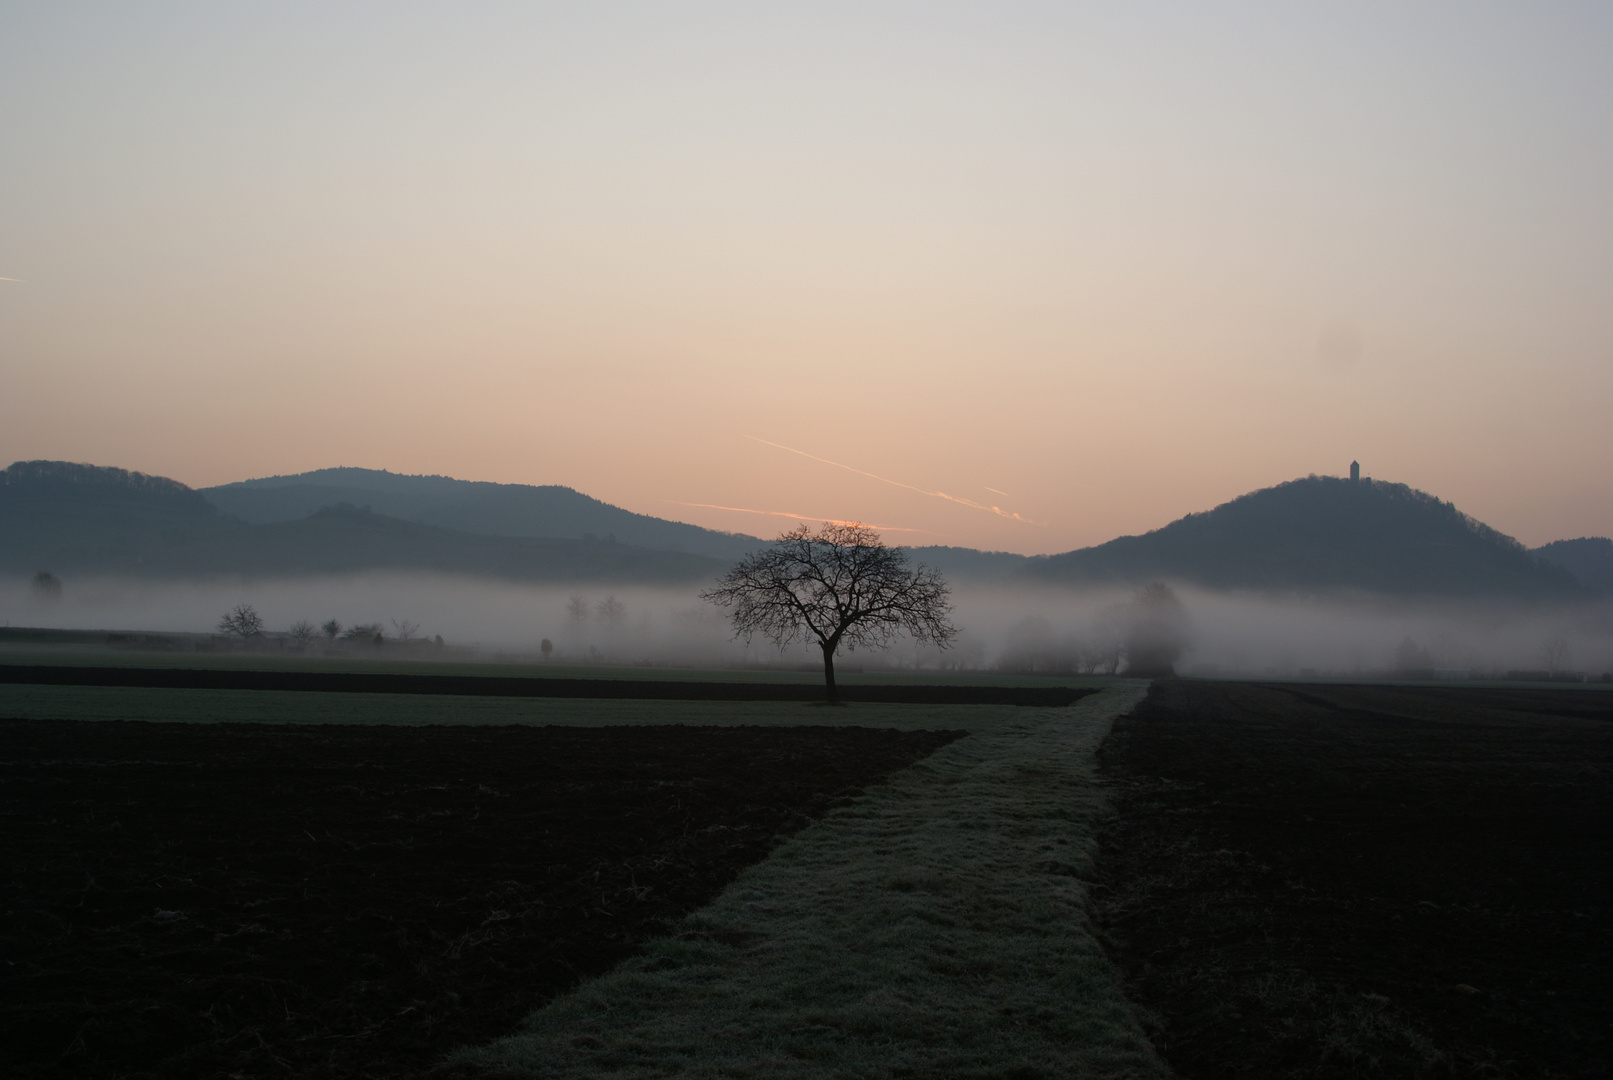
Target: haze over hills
{"type": "Point", "coordinates": [1315, 535]}
{"type": "Point", "coordinates": [473, 506]}
{"type": "Point", "coordinates": [87, 520]}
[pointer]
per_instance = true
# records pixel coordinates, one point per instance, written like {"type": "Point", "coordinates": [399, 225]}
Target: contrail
{"type": "Point", "coordinates": [999, 511]}
{"type": "Point", "coordinates": [1004, 494]}
{"type": "Point", "coordinates": [796, 517]}
{"type": "Point", "coordinates": [12, 279]}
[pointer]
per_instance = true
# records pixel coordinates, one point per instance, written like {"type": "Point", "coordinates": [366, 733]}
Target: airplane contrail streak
{"type": "Point", "coordinates": [999, 511]}
{"type": "Point", "coordinates": [12, 279]}
{"type": "Point", "coordinates": [796, 517]}
{"type": "Point", "coordinates": [1004, 494]}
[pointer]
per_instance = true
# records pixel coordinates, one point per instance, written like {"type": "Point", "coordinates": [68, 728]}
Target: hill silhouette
{"type": "Point", "coordinates": [1589, 559]}
{"type": "Point", "coordinates": [472, 506]}
{"type": "Point", "coordinates": [69, 518]}
{"type": "Point", "coordinates": [1316, 535]}
{"type": "Point", "coordinates": [54, 514]}
{"type": "Point", "coordinates": [1323, 534]}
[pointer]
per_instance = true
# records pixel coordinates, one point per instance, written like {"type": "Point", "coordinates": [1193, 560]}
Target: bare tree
{"type": "Point", "coordinates": [546, 648]}
{"type": "Point", "coordinates": [577, 622]}
{"type": "Point", "coordinates": [840, 585]}
{"type": "Point", "coordinates": [1107, 645]}
{"type": "Point", "coordinates": [365, 632]}
{"type": "Point", "coordinates": [1557, 654]}
{"type": "Point", "coordinates": [46, 586]}
{"type": "Point", "coordinates": [331, 629]}
{"type": "Point", "coordinates": [241, 621]}
{"type": "Point", "coordinates": [577, 611]}
{"type": "Point", "coordinates": [404, 629]}
{"type": "Point", "coordinates": [612, 614]}
{"type": "Point", "coordinates": [302, 632]}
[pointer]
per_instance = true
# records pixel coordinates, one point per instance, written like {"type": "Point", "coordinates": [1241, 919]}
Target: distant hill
{"type": "Point", "coordinates": [1313, 536]}
{"type": "Point", "coordinates": [969, 565]}
{"type": "Point", "coordinates": [83, 519]}
{"type": "Point", "coordinates": [470, 506]}
{"type": "Point", "coordinates": [55, 514]}
{"type": "Point", "coordinates": [1589, 559]}
{"type": "Point", "coordinates": [1323, 534]}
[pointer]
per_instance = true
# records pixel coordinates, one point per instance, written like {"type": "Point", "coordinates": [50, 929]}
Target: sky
{"type": "Point", "coordinates": [1021, 277]}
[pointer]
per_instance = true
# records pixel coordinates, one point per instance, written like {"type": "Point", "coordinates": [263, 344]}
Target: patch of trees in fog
{"type": "Point", "coordinates": [1145, 635]}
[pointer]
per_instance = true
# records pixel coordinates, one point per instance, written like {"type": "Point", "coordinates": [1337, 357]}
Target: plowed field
{"type": "Point", "coordinates": [214, 900]}
{"type": "Point", "coordinates": [1354, 881]}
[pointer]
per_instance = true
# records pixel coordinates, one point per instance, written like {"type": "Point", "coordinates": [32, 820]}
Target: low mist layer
{"type": "Point", "coordinates": [1191, 631]}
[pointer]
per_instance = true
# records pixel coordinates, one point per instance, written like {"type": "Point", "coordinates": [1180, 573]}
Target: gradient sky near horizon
{"type": "Point", "coordinates": [1013, 276]}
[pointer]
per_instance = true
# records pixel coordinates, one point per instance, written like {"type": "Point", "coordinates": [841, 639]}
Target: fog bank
{"type": "Point", "coordinates": [1052, 631]}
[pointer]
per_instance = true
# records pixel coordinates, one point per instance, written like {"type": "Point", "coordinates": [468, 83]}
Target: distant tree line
{"type": "Point", "coordinates": [243, 624]}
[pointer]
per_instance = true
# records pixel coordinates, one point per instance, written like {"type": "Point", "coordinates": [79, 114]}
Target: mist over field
{"type": "Point", "coordinates": [642, 624]}
{"type": "Point", "coordinates": [1053, 631]}
{"type": "Point", "coordinates": [1249, 634]}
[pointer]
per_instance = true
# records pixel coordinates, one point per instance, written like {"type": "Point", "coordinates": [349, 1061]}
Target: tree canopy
{"type": "Point", "coordinates": [241, 621]}
{"type": "Point", "coordinates": [837, 586]}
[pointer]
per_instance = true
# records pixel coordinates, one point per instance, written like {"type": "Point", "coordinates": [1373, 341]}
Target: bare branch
{"type": "Point", "coordinates": [241, 621]}
{"type": "Point", "coordinates": [838, 586]}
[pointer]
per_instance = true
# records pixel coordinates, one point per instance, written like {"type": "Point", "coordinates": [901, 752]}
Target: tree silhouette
{"type": "Point", "coordinates": [241, 621]}
{"type": "Point", "coordinates": [46, 586]}
{"type": "Point", "coordinates": [840, 585]}
{"type": "Point", "coordinates": [1557, 654]}
{"type": "Point", "coordinates": [612, 615]}
{"type": "Point", "coordinates": [1157, 634]}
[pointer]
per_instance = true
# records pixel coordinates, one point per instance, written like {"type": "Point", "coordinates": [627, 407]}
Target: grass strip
{"type": "Point", "coordinates": [24, 702]}
{"type": "Point", "coordinates": [440, 685]}
{"type": "Point", "coordinates": [848, 670]}
{"type": "Point", "coordinates": [935, 927]}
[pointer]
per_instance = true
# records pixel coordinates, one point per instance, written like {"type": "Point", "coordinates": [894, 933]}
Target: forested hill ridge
{"type": "Point", "coordinates": [1324, 534]}
{"type": "Point", "coordinates": [84, 519]}
{"type": "Point", "coordinates": [1589, 559]}
{"type": "Point", "coordinates": [472, 506]}
{"type": "Point", "coordinates": [1315, 535]}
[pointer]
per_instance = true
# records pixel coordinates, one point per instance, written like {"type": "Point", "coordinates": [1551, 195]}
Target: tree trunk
{"type": "Point", "coordinates": [829, 672]}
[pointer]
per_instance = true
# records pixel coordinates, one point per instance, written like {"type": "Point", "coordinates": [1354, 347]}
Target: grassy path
{"type": "Point", "coordinates": [934, 928]}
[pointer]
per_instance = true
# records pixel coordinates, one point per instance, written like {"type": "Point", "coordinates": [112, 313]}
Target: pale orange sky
{"type": "Point", "coordinates": [1096, 268]}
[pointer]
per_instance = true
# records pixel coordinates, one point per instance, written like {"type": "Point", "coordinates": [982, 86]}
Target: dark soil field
{"type": "Point", "coordinates": [219, 900]}
{"type": "Point", "coordinates": [1356, 881]}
